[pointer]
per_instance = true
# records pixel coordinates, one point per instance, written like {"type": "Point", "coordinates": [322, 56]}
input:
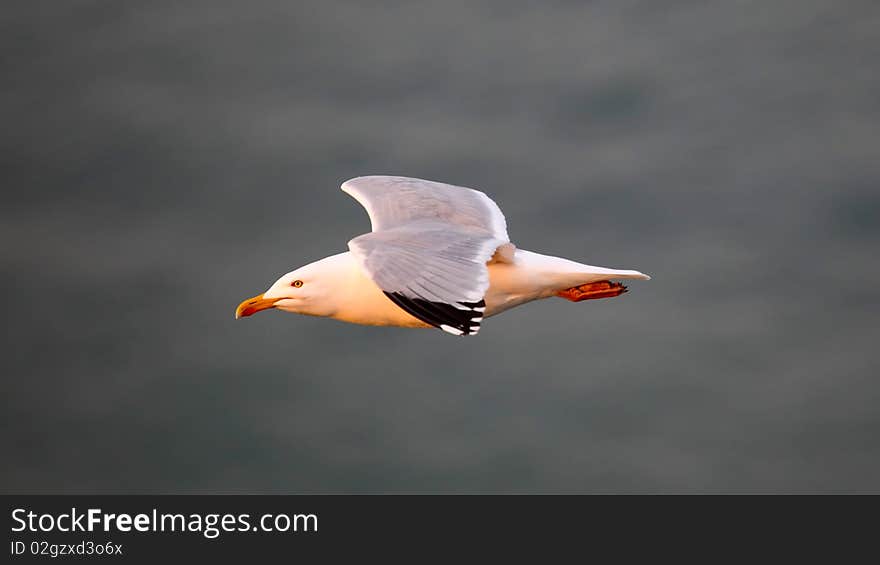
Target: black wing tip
{"type": "Point", "coordinates": [447, 317]}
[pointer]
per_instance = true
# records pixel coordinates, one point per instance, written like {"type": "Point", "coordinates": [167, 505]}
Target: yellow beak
{"type": "Point", "coordinates": [254, 305]}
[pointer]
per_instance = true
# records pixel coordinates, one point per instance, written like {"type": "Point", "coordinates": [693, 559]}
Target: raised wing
{"type": "Point", "coordinates": [429, 247]}
{"type": "Point", "coordinates": [396, 201]}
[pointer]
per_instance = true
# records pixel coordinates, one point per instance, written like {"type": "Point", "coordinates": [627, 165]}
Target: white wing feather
{"type": "Point", "coordinates": [397, 201]}
{"type": "Point", "coordinates": [430, 240]}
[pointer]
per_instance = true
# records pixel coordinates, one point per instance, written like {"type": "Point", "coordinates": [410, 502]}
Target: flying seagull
{"type": "Point", "coordinates": [438, 256]}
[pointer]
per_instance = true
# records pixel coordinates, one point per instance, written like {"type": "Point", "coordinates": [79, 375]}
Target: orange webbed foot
{"type": "Point", "coordinates": [591, 291]}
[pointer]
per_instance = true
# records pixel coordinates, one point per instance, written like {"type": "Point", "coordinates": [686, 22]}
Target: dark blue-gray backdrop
{"type": "Point", "coordinates": [164, 160]}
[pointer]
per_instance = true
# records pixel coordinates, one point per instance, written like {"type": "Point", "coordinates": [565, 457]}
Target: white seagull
{"type": "Point", "coordinates": [438, 256]}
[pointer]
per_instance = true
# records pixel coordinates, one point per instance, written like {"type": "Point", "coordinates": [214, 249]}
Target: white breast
{"type": "Point", "coordinates": [360, 301]}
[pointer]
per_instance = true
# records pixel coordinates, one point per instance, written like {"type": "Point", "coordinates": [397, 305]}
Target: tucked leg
{"type": "Point", "coordinates": [590, 291]}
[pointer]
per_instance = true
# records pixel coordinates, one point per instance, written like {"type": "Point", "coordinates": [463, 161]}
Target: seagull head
{"type": "Point", "coordinates": [301, 291]}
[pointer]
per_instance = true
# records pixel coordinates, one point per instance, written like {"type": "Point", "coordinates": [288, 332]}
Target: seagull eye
{"type": "Point", "coordinates": [296, 283]}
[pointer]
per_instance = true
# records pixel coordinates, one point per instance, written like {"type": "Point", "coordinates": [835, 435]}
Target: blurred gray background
{"type": "Point", "coordinates": [164, 160]}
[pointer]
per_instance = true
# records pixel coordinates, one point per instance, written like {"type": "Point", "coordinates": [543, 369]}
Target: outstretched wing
{"type": "Point", "coordinates": [429, 247]}
{"type": "Point", "coordinates": [397, 201]}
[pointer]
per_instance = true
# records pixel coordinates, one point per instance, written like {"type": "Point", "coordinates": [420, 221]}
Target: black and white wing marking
{"type": "Point", "coordinates": [429, 247]}
{"type": "Point", "coordinates": [463, 318]}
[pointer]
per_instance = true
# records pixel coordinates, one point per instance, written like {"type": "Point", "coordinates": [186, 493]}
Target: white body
{"type": "Point", "coordinates": [357, 299]}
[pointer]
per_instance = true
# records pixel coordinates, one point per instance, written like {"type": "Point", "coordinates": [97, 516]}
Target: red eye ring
{"type": "Point", "coordinates": [296, 283]}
